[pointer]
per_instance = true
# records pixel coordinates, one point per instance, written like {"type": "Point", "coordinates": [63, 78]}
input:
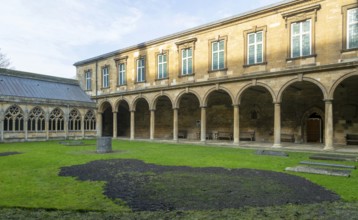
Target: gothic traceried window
{"type": "Point", "coordinates": [36, 121]}
{"type": "Point", "coordinates": [74, 123]}
{"type": "Point", "coordinates": [14, 119]}
{"type": "Point", "coordinates": [57, 120]}
{"type": "Point", "coordinates": [90, 121]}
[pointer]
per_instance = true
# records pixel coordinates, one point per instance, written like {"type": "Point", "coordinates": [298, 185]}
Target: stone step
{"type": "Point", "coordinates": [333, 157]}
{"type": "Point", "coordinates": [271, 153]}
{"type": "Point", "coordinates": [328, 164]}
{"type": "Point", "coordinates": [322, 171]}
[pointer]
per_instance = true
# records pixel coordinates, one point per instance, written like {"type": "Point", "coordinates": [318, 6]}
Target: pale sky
{"type": "Point", "coordinates": [48, 36]}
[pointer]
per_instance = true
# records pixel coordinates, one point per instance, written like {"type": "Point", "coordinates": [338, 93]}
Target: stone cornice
{"type": "Point", "coordinates": [212, 25]}
{"type": "Point", "coordinates": [257, 76]}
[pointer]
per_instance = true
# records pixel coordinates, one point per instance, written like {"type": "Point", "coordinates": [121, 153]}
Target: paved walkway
{"type": "Point", "coordinates": [318, 148]}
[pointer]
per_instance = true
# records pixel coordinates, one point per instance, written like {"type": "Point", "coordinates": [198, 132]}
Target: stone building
{"type": "Point", "coordinates": [39, 107]}
{"type": "Point", "coordinates": [285, 72]}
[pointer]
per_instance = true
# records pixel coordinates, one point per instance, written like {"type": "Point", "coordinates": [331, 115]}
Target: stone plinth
{"type": "Point", "coordinates": [104, 145]}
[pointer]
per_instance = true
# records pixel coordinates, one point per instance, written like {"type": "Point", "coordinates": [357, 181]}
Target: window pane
{"type": "Point", "coordinates": [184, 67]}
{"type": "Point", "coordinates": [353, 15]}
{"type": "Point", "coordinates": [296, 46]}
{"type": "Point", "coordinates": [215, 61]}
{"type": "Point", "coordinates": [251, 59]}
{"type": "Point", "coordinates": [251, 38]}
{"type": "Point", "coordinates": [353, 36]}
{"type": "Point", "coordinates": [296, 28]}
{"type": "Point", "coordinates": [306, 26]}
{"type": "Point", "coordinates": [190, 66]}
{"type": "Point", "coordinates": [221, 45]}
{"type": "Point", "coordinates": [221, 60]}
{"type": "Point", "coordinates": [259, 53]}
{"type": "Point", "coordinates": [190, 52]}
{"type": "Point", "coordinates": [306, 47]}
{"type": "Point", "coordinates": [215, 46]}
{"type": "Point", "coordinates": [164, 70]}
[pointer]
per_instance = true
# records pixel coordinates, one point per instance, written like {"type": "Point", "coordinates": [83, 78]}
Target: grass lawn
{"type": "Point", "coordinates": [30, 180]}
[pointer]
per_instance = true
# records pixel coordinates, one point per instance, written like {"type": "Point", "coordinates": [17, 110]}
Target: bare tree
{"type": "Point", "coordinates": [4, 61]}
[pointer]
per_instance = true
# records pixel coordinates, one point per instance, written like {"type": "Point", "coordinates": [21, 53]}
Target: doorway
{"type": "Point", "coordinates": [314, 128]}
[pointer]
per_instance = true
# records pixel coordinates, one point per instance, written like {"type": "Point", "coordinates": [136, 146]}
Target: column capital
{"type": "Point", "coordinates": [236, 105]}
{"type": "Point", "coordinates": [277, 103]}
{"type": "Point", "coordinates": [115, 112]}
{"type": "Point", "coordinates": [152, 110]}
{"type": "Point", "coordinates": [203, 106]}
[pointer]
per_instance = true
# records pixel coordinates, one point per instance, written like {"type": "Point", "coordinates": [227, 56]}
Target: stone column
{"type": "Point", "coordinates": [132, 125]}
{"type": "Point", "coordinates": [328, 136]}
{"type": "Point", "coordinates": [83, 126]}
{"type": "Point", "coordinates": [66, 125]}
{"type": "Point", "coordinates": [114, 124]}
{"type": "Point", "coordinates": [203, 124]}
{"type": "Point", "coordinates": [47, 125]}
{"type": "Point", "coordinates": [152, 124]}
{"type": "Point", "coordinates": [277, 126]}
{"type": "Point", "coordinates": [26, 126]}
{"type": "Point", "coordinates": [99, 124]}
{"type": "Point", "coordinates": [175, 124]}
{"type": "Point", "coordinates": [236, 124]}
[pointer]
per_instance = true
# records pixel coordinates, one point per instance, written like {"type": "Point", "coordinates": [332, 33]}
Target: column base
{"type": "Point", "coordinates": [328, 148]}
{"type": "Point", "coordinates": [277, 146]}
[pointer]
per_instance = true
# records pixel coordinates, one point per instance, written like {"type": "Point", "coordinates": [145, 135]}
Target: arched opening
{"type": "Point", "coordinates": [123, 120]}
{"type": "Point", "coordinates": [219, 116]}
{"type": "Point", "coordinates": [107, 120]}
{"type": "Point", "coordinates": [256, 115]}
{"type": "Point", "coordinates": [163, 118]}
{"type": "Point", "coordinates": [189, 117]}
{"type": "Point", "coordinates": [302, 110]}
{"type": "Point", "coordinates": [345, 110]}
{"type": "Point", "coordinates": [142, 119]}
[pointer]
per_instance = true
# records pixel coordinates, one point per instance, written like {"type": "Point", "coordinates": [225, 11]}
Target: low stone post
{"type": "Point", "coordinates": [104, 144]}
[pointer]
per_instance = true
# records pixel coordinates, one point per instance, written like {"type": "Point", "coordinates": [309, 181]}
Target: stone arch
{"type": "Point", "coordinates": [135, 101]}
{"type": "Point", "coordinates": [74, 120]}
{"type": "Point", "coordinates": [102, 104]}
{"type": "Point", "coordinates": [207, 94]}
{"type": "Point", "coordinates": [36, 119]}
{"type": "Point", "coordinates": [305, 79]}
{"type": "Point", "coordinates": [339, 81]}
{"type": "Point", "coordinates": [237, 99]}
{"type": "Point", "coordinates": [156, 97]}
{"type": "Point", "coordinates": [118, 101]}
{"type": "Point", "coordinates": [14, 118]}
{"type": "Point", "coordinates": [180, 95]}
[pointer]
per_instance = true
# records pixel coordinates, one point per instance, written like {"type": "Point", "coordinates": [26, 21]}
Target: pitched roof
{"type": "Point", "coordinates": [30, 85]}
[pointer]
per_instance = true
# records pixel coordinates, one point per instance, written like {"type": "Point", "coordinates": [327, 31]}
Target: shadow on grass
{"type": "Point", "coordinates": [150, 187]}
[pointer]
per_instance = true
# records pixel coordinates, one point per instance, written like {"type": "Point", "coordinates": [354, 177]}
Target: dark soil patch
{"type": "Point", "coordinates": [150, 187]}
{"type": "Point", "coordinates": [8, 153]}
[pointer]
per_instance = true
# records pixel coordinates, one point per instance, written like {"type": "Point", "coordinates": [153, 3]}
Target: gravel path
{"type": "Point", "coordinates": [150, 187]}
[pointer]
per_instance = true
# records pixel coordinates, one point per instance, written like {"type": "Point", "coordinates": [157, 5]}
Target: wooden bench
{"type": "Point", "coordinates": [247, 135]}
{"type": "Point", "coordinates": [182, 134]}
{"type": "Point", "coordinates": [224, 135]}
{"type": "Point", "coordinates": [287, 138]}
{"type": "Point", "coordinates": [352, 139]}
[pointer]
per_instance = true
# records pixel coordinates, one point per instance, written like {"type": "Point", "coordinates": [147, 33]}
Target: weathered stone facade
{"type": "Point", "coordinates": [286, 72]}
{"type": "Point", "coordinates": [39, 107]}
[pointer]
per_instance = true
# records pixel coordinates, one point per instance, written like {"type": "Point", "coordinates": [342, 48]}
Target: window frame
{"type": "Point", "coordinates": [345, 32]}
{"type": "Point", "coordinates": [88, 80]}
{"type": "Point", "coordinates": [121, 61]}
{"type": "Point", "coordinates": [184, 45]}
{"type": "Point", "coordinates": [141, 69]}
{"type": "Point", "coordinates": [300, 35]}
{"type": "Point", "coordinates": [303, 14]}
{"type": "Point", "coordinates": [162, 65]}
{"type": "Point", "coordinates": [211, 53]}
{"type": "Point", "coordinates": [255, 30]}
{"type": "Point", "coordinates": [105, 77]}
{"type": "Point", "coordinates": [185, 67]}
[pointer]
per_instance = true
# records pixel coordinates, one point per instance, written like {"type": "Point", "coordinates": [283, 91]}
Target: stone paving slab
{"type": "Point", "coordinates": [333, 157]}
{"type": "Point", "coordinates": [322, 171]}
{"type": "Point", "coordinates": [272, 153]}
{"type": "Point", "coordinates": [328, 164]}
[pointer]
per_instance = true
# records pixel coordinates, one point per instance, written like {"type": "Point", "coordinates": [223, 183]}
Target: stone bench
{"type": "Point", "coordinates": [314, 170]}
{"type": "Point", "coordinates": [247, 135]}
{"type": "Point", "coordinates": [352, 139]}
{"type": "Point", "coordinates": [327, 164]}
{"type": "Point", "coordinates": [182, 134]}
{"type": "Point", "coordinates": [224, 135]}
{"type": "Point", "coordinates": [287, 138]}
